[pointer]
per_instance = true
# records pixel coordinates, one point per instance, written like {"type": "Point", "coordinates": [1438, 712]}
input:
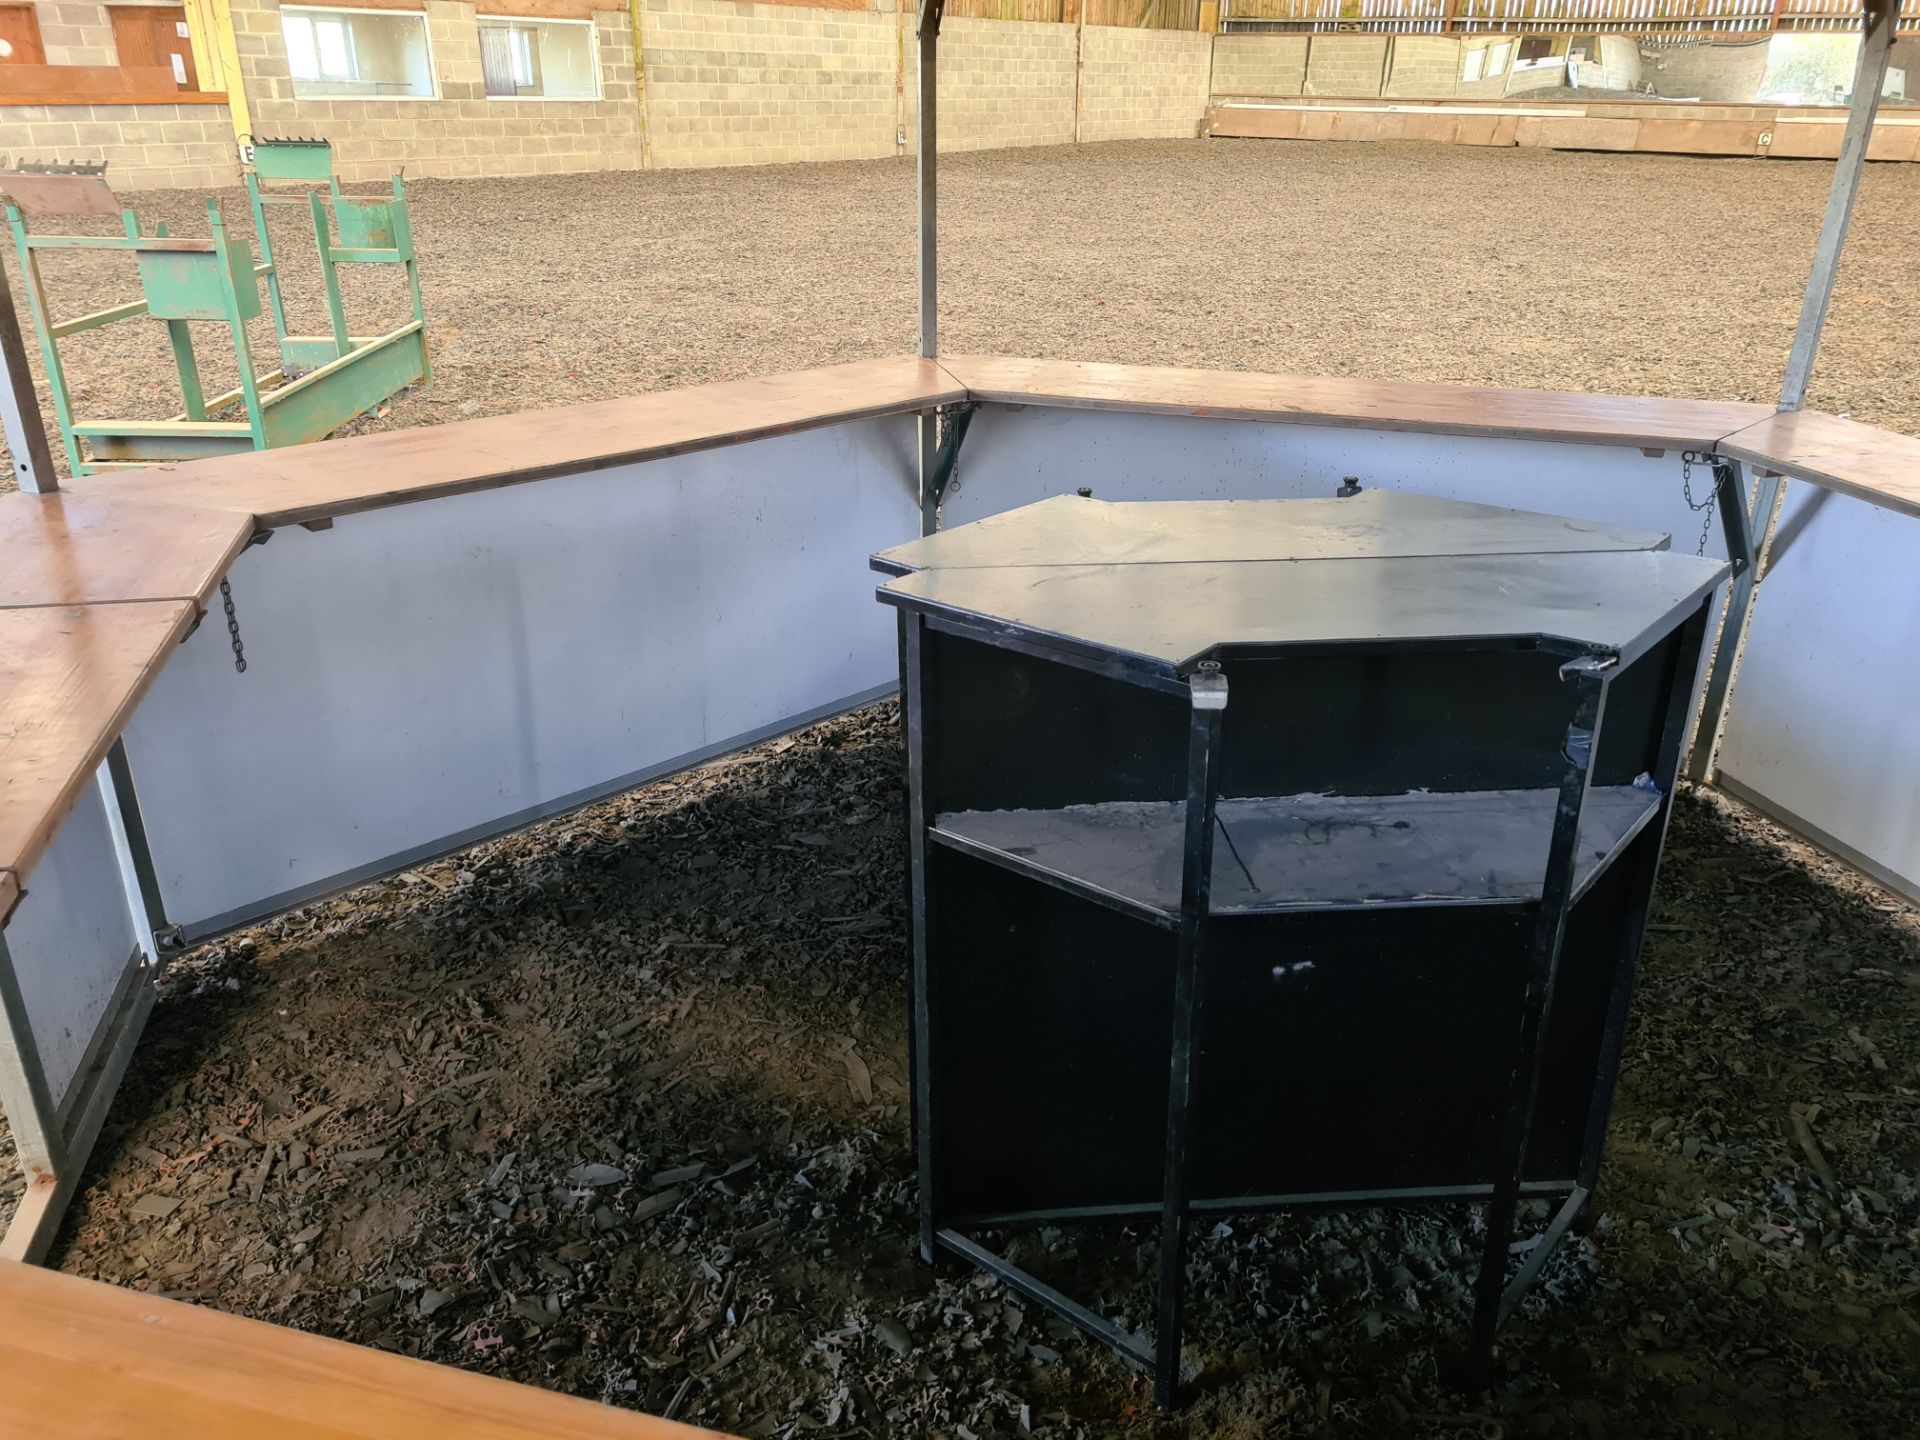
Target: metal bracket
{"type": "Point", "coordinates": [1588, 666]}
{"type": "Point", "coordinates": [54, 167]}
{"type": "Point", "coordinates": [1209, 686]}
{"type": "Point", "coordinates": [931, 13]}
{"type": "Point", "coordinates": [953, 422]}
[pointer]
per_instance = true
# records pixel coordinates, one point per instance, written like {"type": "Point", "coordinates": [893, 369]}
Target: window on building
{"type": "Point", "coordinates": [539, 59]}
{"type": "Point", "coordinates": [1497, 57]}
{"type": "Point", "coordinates": [20, 36]}
{"type": "Point", "coordinates": [154, 37]}
{"type": "Point", "coordinates": [1536, 50]}
{"type": "Point", "coordinates": [1473, 65]}
{"type": "Point", "coordinates": [357, 54]}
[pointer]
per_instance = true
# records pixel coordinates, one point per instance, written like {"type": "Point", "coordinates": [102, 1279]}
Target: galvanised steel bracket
{"type": "Point", "coordinates": [953, 422]}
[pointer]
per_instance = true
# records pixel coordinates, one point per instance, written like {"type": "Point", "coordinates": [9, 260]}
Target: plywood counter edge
{"type": "Point", "coordinates": [106, 730]}
{"type": "Point", "coordinates": [214, 559]}
{"type": "Point", "coordinates": [1355, 404]}
{"type": "Point", "coordinates": [1881, 467]}
{"type": "Point", "coordinates": [84, 1358]}
{"type": "Point", "coordinates": [275, 519]}
{"type": "Point", "coordinates": [381, 463]}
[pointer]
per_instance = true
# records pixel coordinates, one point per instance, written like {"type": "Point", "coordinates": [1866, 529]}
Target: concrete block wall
{"type": "Point", "coordinates": [751, 84]}
{"type": "Point", "coordinates": [75, 32]}
{"type": "Point", "coordinates": [1727, 73]}
{"type": "Point", "coordinates": [1003, 83]}
{"type": "Point", "coordinates": [1143, 84]}
{"type": "Point", "coordinates": [1426, 66]}
{"type": "Point", "coordinates": [146, 147]}
{"type": "Point", "coordinates": [462, 132]}
{"type": "Point", "coordinates": [1346, 65]}
{"type": "Point", "coordinates": [1260, 64]}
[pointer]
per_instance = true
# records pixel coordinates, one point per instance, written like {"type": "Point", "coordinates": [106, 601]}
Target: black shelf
{"type": "Point", "coordinates": [1299, 853]}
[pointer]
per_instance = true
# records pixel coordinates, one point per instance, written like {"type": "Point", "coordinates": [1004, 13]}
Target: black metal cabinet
{"type": "Point", "coordinates": [1273, 853]}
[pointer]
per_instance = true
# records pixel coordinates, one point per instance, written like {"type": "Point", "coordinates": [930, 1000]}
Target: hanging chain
{"type": "Point", "coordinates": [1703, 508]}
{"type": "Point", "coordinates": [233, 627]}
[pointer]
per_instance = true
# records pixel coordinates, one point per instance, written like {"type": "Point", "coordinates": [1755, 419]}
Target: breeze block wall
{"type": "Point", "coordinates": [146, 147]}
{"type": "Point", "coordinates": [1423, 66]}
{"type": "Point", "coordinates": [1143, 84]}
{"type": "Point", "coordinates": [1002, 82]}
{"type": "Point", "coordinates": [463, 132]}
{"type": "Point", "coordinates": [1259, 64]}
{"type": "Point", "coordinates": [751, 84]}
{"type": "Point", "coordinates": [1352, 65]}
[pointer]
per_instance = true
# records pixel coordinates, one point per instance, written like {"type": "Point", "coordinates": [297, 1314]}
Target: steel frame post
{"type": "Point", "coordinates": [927, 171]}
{"type": "Point", "coordinates": [49, 350]}
{"type": "Point", "coordinates": [1740, 528]}
{"type": "Point", "coordinates": [927, 165]}
{"type": "Point", "coordinates": [1209, 702]}
{"type": "Point", "coordinates": [1589, 675]}
{"type": "Point", "coordinates": [158, 936]}
{"type": "Point", "coordinates": [1880, 19]}
{"type": "Point", "coordinates": [913, 704]}
{"type": "Point", "coordinates": [1640, 880]}
{"type": "Point", "coordinates": [31, 1113]}
{"type": "Point", "coordinates": [20, 420]}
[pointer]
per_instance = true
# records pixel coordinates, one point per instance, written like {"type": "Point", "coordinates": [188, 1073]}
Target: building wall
{"type": "Point", "coordinates": [1002, 82]}
{"type": "Point", "coordinates": [1426, 66]}
{"type": "Point", "coordinates": [1346, 64]}
{"type": "Point", "coordinates": [1726, 73]}
{"type": "Point", "coordinates": [1143, 84]}
{"type": "Point", "coordinates": [748, 84]}
{"type": "Point", "coordinates": [1493, 81]}
{"type": "Point", "coordinates": [1620, 62]}
{"type": "Point", "coordinates": [1259, 64]}
{"type": "Point", "coordinates": [146, 147]}
{"type": "Point", "coordinates": [462, 132]}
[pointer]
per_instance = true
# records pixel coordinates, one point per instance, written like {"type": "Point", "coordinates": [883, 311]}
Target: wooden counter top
{"type": "Point", "coordinates": [69, 548]}
{"type": "Point", "coordinates": [80, 1360]}
{"type": "Point", "coordinates": [1878, 466]}
{"type": "Point", "coordinates": [366, 472]}
{"type": "Point", "coordinates": [1361, 404]}
{"type": "Point", "coordinates": [70, 676]}
{"type": "Point", "coordinates": [129, 540]}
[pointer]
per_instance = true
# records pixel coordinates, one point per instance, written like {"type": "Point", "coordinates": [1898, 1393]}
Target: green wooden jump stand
{"type": "Point", "coordinates": [323, 380]}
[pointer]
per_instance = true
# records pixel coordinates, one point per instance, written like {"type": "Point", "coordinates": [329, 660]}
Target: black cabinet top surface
{"type": "Point", "coordinates": [1167, 583]}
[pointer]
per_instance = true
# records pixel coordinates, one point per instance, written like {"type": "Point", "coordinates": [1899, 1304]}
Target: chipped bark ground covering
{"type": "Point", "coordinates": [618, 1107]}
{"type": "Point", "coordinates": [1638, 274]}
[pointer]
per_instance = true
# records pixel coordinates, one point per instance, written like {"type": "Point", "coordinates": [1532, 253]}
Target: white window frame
{"type": "Point", "coordinates": [426, 34]}
{"type": "Point", "coordinates": [593, 60]}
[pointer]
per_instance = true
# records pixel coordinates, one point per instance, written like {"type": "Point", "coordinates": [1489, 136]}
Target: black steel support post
{"type": "Point", "coordinates": [1589, 677]}
{"type": "Point", "coordinates": [950, 435]}
{"type": "Point", "coordinates": [913, 702]}
{"type": "Point", "coordinates": [1209, 692]}
{"type": "Point", "coordinates": [1741, 530]}
{"type": "Point", "coordinates": [1645, 866]}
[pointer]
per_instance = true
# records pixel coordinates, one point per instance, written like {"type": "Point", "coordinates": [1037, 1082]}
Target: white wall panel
{"type": "Point", "coordinates": [1016, 456]}
{"type": "Point", "coordinates": [1822, 731]}
{"type": "Point", "coordinates": [70, 939]}
{"type": "Point", "coordinates": [424, 675]}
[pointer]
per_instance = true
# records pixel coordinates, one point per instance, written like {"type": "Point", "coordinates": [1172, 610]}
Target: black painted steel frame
{"type": "Point", "coordinates": [1495, 1294]}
